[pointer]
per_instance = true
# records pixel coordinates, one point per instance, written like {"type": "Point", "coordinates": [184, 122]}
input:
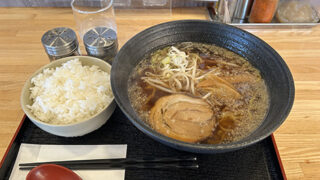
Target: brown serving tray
{"type": "Point", "coordinates": [258, 161]}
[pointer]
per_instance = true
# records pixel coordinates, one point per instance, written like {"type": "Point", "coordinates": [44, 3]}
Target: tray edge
{"type": "Point", "coordinates": [12, 140]}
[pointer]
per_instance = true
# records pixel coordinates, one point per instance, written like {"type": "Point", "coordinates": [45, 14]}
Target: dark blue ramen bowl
{"type": "Point", "coordinates": [273, 69]}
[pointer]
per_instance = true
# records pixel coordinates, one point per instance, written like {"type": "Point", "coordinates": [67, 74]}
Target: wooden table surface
{"type": "Point", "coordinates": [298, 139]}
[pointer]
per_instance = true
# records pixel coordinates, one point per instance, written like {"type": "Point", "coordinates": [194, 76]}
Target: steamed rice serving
{"type": "Point", "coordinates": [69, 93]}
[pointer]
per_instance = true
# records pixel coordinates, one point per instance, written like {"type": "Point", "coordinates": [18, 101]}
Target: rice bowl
{"type": "Point", "coordinates": [77, 127]}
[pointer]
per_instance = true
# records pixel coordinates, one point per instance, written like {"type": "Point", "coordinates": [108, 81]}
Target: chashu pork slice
{"type": "Point", "coordinates": [182, 117]}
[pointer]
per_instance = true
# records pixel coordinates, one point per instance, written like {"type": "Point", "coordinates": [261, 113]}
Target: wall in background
{"type": "Point", "coordinates": [117, 3]}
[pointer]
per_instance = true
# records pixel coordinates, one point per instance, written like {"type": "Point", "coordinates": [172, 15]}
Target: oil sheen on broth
{"type": "Point", "coordinates": [198, 93]}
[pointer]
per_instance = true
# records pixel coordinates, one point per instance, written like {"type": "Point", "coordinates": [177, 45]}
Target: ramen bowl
{"type": "Point", "coordinates": [272, 67]}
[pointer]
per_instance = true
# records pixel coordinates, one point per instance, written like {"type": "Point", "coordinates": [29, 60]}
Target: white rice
{"type": "Point", "coordinates": [69, 93]}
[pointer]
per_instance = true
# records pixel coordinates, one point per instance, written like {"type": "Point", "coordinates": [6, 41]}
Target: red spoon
{"type": "Point", "coordinates": [51, 172]}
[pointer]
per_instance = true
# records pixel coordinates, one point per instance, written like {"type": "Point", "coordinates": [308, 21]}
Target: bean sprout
{"type": "Point", "coordinates": [178, 74]}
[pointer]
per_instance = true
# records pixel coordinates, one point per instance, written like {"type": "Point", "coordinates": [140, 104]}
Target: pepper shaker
{"type": "Point", "coordinates": [262, 11]}
{"type": "Point", "coordinates": [101, 42]}
{"type": "Point", "coordinates": [60, 42]}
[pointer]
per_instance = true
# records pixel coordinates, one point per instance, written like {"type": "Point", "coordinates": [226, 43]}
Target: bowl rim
{"type": "Point", "coordinates": [204, 148]}
{"type": "Point", "coordinates": [32, 117]}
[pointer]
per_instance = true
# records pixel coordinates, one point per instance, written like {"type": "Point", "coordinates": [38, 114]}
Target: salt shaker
{"type": "Point", "coordinates": [60, 42]}
{"type": "Point", "coordinates": [101, 42]}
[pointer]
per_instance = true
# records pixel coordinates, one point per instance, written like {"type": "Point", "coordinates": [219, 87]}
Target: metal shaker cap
{"type": "Point", "coordinates": [60, 41]}
{"type": "Point", "coordinates": [101, 42]}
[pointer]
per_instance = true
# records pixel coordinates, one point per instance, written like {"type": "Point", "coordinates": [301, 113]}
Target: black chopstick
{"type": "Point", "coordinates": [116, 161]}
{"type": "Point", "coordinates": [126, 166]}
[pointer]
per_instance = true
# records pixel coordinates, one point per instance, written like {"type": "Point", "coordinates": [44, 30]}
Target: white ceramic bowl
{"type": "Point", "coordinates": [74, 129]}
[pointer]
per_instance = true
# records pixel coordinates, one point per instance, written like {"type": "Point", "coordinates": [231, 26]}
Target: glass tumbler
{"type": "Point", "coordinates": [89, 14]}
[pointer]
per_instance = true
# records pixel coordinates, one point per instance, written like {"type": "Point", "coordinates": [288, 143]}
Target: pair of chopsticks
{"type": "Point", "coordinates": [122, 163]}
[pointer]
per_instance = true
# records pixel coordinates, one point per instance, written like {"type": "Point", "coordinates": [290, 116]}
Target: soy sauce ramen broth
{"type": "Point", "coordinates": [235, 118]}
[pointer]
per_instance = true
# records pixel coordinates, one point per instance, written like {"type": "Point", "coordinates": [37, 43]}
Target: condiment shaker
{"type": "Point", "coordinates": [241, 11]}
{"type": "Point", "coordinates": [60, 42]}
{"type": "Point", "coordinates": [262, 11]}
{"type": "Point", "coordinates": [101, 42]}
